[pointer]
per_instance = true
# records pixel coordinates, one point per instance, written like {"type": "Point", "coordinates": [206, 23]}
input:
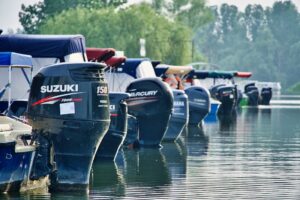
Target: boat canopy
{"type": "Point", "coordinates": [200, 74]}
{"type": "Point", "coordinates": [100, 54]}
{"type": "Point", "coordinates": [137, 68]}
{"type": "Point", "coordinates": [172, 69]}
{"type": "Point", "coordinates": [243, 74]}
{"type": "Point", "coordinates": [43, 46]}
{"type": "Point", "coordinates": [133, 68]}
{"type": "Point", "coordinates": [15, 59]}
{"type": "Point", "coordinates": [45, 50]}
{"type": "Point", "coordinates": [9, 61]}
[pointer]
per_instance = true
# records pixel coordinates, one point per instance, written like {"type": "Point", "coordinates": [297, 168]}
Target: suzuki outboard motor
{"type": "Point", "coordinates": [117, 131]}
{"type": "Point", "coordinates": [68, 110]}
{"type": "Point", "coordinates": [252, 92]}
{"type": "Point", "coordinates": [227, 96]}
{"type": "Point", "coordinates": [265, 96]}
{"type": "Point", "coordinates": [199, 103]}
{"type": "Point", "coordinates": [151, 102]}
{"type": "Point", "coordinates": [179, 116]}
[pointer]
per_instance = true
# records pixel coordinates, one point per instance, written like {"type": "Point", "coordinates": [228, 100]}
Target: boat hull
{"type": "Point", "coordinates": [14, 167]}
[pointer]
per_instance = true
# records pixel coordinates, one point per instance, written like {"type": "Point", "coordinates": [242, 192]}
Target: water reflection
{"type": "Point", "coordinates": [175, 156]}
{"type": "Point", "coordinates": [145, 167]}
{"type": "Point", "coordinates": [196, 141]}
{"type": "Point", "coordinates": [107, 179]}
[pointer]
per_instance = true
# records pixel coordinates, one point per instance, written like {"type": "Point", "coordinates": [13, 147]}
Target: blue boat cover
{"type": "Point", "coordinates": [55, 46]}
{"type": "Point", "coordinates": [130, 66]}
{"type": "Point", "coordinates": [16, 59]}
{"type": "Point", "coordinates": [161, 70]}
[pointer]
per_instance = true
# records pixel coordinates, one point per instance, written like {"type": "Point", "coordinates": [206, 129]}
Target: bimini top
{"type": "Point", "coordinates": [137, 68]}
{"type": "Point", "coordinates": [172, 69]}
{"type": "Point", "coordinates": [15, 59]}
{"type": "Point", "coordinates": [43, 46]}
{"type": "Point", "coordinates": [243, 74]}
{"type": "Point", "coordinates": [201, 74]}
{"type": "Point", "coordinates": [100, 54]}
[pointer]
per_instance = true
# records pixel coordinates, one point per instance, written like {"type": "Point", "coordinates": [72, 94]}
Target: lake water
{"type": "Point", "coordinates": [255, 156]}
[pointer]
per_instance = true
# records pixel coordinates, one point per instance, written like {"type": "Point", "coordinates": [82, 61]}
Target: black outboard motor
{"type": "Point", "coordinates": [68, 110]}
{"type": "Point", "coordinates": [252, 92]}
{"type": "Point", "coordinates": [179, 117]}
{"type": "Point", "coordinates": [151, 102]}
{"type": "Point", "coordinates": [227, 96]}
{"type": "Point", "coordinates": [265, 96]}
{"type": "Point", "coordinates": [199, 104]}
{"type": "Point", "coordinates": [117, 131]}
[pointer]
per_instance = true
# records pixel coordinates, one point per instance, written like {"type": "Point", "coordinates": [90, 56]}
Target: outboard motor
{"type": "Point", "coordinates": [265, 96]}
{"type": "Point", "coordinates": [227, 96]}
{"type": "Point", "coordinates": [68, 110]}
{"type": "Point", "coordinates": [117, 131]}
{"type": "Point", "coordinates": [179, 117]}
{"type": "Point", "coordinates": [151, 102]}
{"type": "Point", "coordinates": [252, 92]}
{"type": "Point", "coordinates": [199, 103]}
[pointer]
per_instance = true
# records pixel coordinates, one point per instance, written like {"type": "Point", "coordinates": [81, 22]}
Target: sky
{"type": "Point", "coordinates": [9, 9]}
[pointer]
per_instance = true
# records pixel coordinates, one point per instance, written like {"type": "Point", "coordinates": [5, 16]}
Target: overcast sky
{"type": "Point", "coordinates": [9, 9]}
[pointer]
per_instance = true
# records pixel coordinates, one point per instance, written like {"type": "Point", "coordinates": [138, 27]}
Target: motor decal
{"type": "Point", "coordinates": [54, 99]}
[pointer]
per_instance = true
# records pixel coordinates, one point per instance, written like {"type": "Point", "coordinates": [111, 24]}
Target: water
{"type": "Point", "coordinates": [255, 156]}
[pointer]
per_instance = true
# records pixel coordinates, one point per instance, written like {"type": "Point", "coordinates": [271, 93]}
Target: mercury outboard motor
{"type": "Point", "coordinates": [252, 92]}
{"type": "Point", "coordinates": [117, 131]}
{"type": "Point", "coordinates": [151, 102]}
{"type": "Point", "coordinates": [68, 110]}
{"type": "Point", "coordinates": [179, 117]}
{"type": "Point", "coordinates": [265, 96]}
{"type": "Point", "coordinates": [199, 103]}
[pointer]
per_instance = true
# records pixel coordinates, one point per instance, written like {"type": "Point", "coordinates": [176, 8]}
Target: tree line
{"type": "Point", "coordinates": [264, 41]}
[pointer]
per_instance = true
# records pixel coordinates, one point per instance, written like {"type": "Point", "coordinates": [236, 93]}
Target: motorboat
{"type": "Point", "coordinates": [16, 154]}
{"type": "Point", "coordinates": [17, 150]}
{"type": "Point", "coordinates": [180, 112]}
{"type": "Point", "coordinates": [150, 102]}
{"type": "Point", "coordinates": [113, 139]}
{"type": "Point", "coordinates": [68, 110]}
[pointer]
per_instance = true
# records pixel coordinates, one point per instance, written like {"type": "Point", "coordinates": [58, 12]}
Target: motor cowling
{"type": "Point", "coordinates": [199, 103]}
{"type": "Point", "coordinates": [179, 117]}
{"type": "Point", "coordinates": [266, 96]}
{"type": "Point", "coordinates": [151, 103]}
{"type": "Point", "coordinates": [117, 131]}
{"type": "Point", "coordinates": [68, 110]}
{"type": "Point", "coordinates": [227, 96]}
{"type": "Point", "coordinates": [253, 94]}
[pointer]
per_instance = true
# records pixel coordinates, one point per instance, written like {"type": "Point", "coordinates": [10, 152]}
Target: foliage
{"type": "Point", "coordinates": [106, 27]}
{"type": "Point", "coordinates": [294, 88]}
{"type": "Point", "coordinates": [264, 41]}
{"type": "Point", "coordinates": [33, 16]}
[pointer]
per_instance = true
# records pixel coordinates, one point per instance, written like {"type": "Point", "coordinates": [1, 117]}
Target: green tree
{"type": "Point", "coordinates": [165, 40]}
{"type": "Point", "coordinates": [33, 16]}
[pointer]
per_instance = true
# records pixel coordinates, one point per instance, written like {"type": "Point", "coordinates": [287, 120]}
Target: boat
{"type": "Point", "coordinates": [224, 93]}
{"type": "Point", "coordinates": [68, 110]}
{"type": "Point", "coordinates": [198, 97]}
{"type": "Point", "coordinates": [21, 66]}
{"type": "Point", "coordinates": [114, 138]}
{"type": "Point", "coordinates": [61, 124]}
{"type": "Point", "coordinates": [16, 148]}
{"type": "Point", "coordinates": [180, 112]}
{"type": "Point", "coordinates": [16, 154]}
{"type": "Point", "coordinates": [150, 102]}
